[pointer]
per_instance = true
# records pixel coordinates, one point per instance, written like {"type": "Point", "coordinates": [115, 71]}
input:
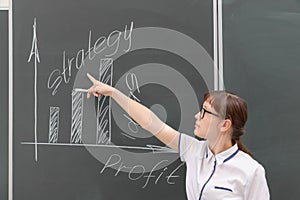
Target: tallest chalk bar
{"type": "Point", "coordinates": [104, 103]}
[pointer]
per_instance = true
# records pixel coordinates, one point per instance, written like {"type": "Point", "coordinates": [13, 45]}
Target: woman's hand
{"type": "Point", "coordinates": [99, 88]}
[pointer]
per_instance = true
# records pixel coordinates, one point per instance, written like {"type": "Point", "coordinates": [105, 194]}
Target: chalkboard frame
{"type": "Point", "coordinates": [4, 103]}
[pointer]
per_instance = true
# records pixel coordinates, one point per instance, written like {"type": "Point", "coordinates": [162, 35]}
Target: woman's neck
{"type": "Point", "coordinates": [222, 144]}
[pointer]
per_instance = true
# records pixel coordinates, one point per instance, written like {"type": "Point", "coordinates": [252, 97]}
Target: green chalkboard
{"type": "Point", "coordinates": [158, 52]}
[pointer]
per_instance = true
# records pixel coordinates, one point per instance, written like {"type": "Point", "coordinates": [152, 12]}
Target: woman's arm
{"type": "Point", "coordinates": [141, 114]}
{"type": "Point", "coordinates": [257, 187]}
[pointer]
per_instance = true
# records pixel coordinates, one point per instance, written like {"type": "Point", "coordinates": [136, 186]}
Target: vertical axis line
{"type": "Point", "coordinates": [35, 98]}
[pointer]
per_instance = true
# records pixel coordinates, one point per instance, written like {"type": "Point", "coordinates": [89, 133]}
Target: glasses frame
{"type": "Point", "coordinates": [203, 111]}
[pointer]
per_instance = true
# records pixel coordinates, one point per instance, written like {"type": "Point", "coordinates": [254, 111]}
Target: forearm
{"type": "Point", "coordinates": [141, 114]}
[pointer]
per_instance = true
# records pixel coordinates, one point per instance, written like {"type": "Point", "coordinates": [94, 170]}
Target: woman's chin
{"type": "Point", "coordinates": [196, 133]}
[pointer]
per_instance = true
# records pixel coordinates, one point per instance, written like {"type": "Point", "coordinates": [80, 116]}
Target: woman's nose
{"type": "Point", "coordinates": [197, 115]}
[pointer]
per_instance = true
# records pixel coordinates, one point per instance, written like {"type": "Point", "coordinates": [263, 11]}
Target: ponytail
{"type": "Point", "coordinates": [242, 147]}
{"type": "Point", "coordinates": [236, 137]}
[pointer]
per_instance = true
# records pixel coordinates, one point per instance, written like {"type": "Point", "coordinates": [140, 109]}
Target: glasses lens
{"type": "Point", "coordinates": [201, 112]}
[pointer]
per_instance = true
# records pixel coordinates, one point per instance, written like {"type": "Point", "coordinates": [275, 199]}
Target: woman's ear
{"type": "Point", "coordinates": [226, 125]}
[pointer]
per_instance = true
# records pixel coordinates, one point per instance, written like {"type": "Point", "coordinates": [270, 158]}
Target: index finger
{"type": "Point", "coordinates": [92, 79]}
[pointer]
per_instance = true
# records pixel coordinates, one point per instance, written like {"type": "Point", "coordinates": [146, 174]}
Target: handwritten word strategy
{"type": "Point", "coordinates": [110, 44]}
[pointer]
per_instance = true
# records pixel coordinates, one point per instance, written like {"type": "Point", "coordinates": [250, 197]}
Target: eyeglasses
{"type": "Point", "coordinates": [203, 111]}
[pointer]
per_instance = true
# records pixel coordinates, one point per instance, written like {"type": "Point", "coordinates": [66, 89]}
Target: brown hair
{"type": "Point", "coordinates": [232, 107]}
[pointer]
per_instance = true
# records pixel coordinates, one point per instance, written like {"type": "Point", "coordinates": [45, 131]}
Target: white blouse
{"type": "Point", "coordinates": [231, 174]}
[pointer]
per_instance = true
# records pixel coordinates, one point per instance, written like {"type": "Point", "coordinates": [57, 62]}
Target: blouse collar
{"type": "Point", "coordinates": [223, 156]}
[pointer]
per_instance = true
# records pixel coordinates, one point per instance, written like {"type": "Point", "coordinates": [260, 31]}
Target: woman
{"type": "Point", "coordinates": [218, 168]}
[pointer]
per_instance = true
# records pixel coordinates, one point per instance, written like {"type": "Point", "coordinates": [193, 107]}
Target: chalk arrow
{"type": "Point", "coordinates": [34, 49]}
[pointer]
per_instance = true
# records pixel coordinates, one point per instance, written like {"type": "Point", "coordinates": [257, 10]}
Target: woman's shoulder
{"type": "Point", "coordinates": [191, 142]}
{"type": "Point", "coordinates": [190, 146]}
{"type": "Point", "coordinates": [249, 164]}
{"type": "Point", "coordinates": [255, 176]}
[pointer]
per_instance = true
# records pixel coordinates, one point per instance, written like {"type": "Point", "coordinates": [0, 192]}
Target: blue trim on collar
{"type": "Point", "coordinates": [231, 156]}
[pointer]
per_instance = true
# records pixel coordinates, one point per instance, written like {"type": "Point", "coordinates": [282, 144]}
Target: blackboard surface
{"type": "Point", "coordinates": [4, 104]}
{"type": "Point", "coordinates": [261, 63]}
{"type": "Point", "coordinates": [156, 46]}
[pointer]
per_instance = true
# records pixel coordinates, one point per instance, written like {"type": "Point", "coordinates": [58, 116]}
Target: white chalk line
{"type": "Point", "coordinates": [152, 148]}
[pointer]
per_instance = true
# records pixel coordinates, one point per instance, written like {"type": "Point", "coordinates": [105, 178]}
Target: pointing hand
{"type": "Point", "coordinates": [98, 88]}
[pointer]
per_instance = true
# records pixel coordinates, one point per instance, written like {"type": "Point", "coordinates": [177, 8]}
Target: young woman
{"type": "Point", "coordinates": [219, 167]}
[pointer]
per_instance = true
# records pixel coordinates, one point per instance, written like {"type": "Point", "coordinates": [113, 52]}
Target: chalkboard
{"type": "Point", "coordinates": [69, 147]}
{"type": "Point", "coordinates": [261, 63]}
{"type": "Point", "coordinates": [4, 104]}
